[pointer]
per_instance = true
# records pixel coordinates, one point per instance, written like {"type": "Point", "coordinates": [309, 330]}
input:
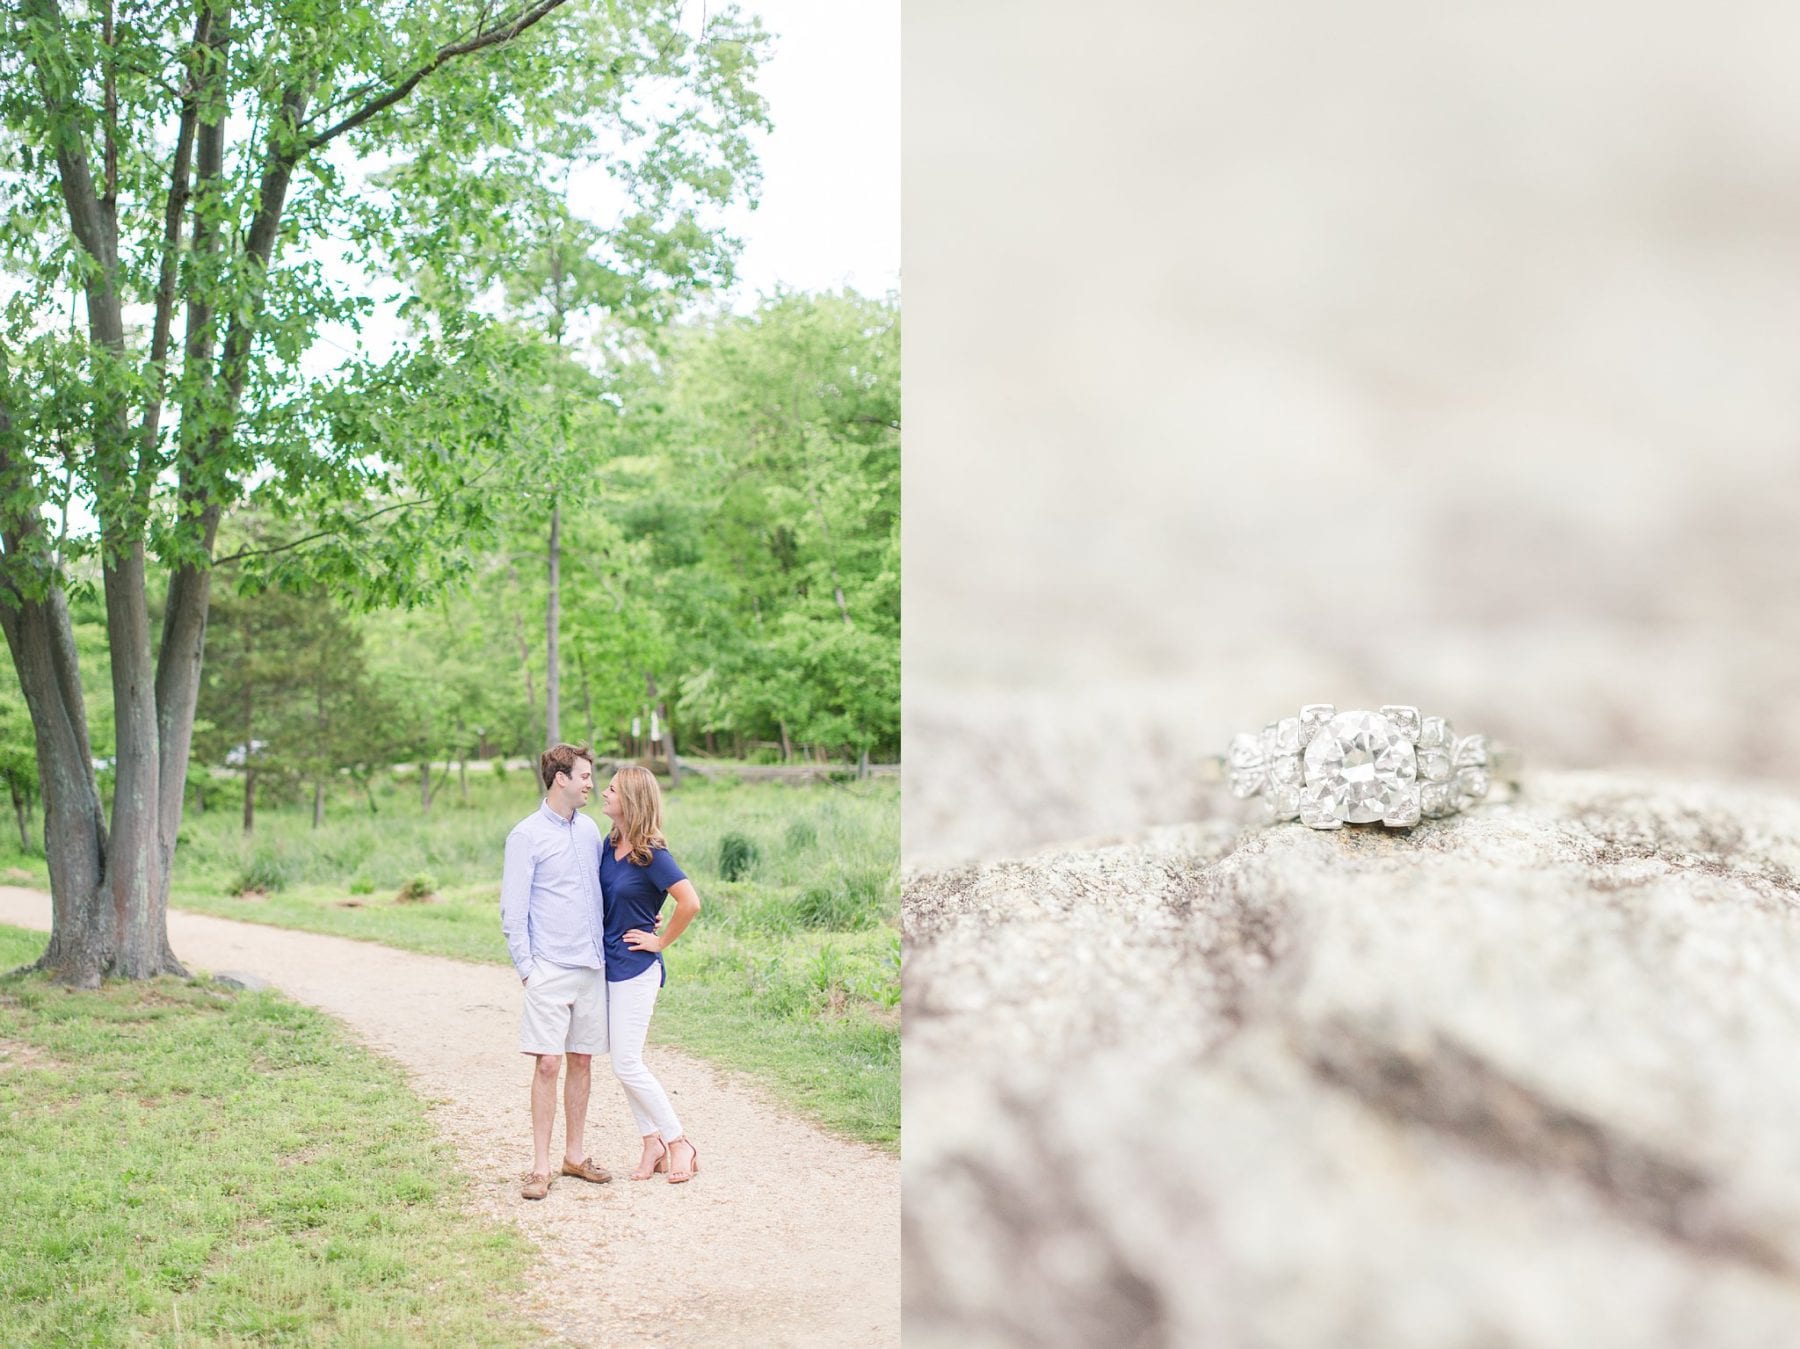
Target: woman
{"type": "Point", "coordinates": [636, 872]}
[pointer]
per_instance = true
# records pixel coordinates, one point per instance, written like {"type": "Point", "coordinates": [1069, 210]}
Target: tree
{"type": "Point", "coordinates": [282, 692]}
{"type": "Point", "coordinates": [773, 520]}
{"type": "Point", "coordinates": [192, 161]}
{"type": "Point", "coordinates": [557, 270]}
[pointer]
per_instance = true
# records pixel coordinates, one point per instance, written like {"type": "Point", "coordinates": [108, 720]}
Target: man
{"type": "Point", "coordinates": [550, 913]}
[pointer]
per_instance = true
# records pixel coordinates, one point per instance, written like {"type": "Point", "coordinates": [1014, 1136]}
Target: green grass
{"type": "Point", "coordinates": [791, 973]}
{"type": "Point", "coordinates": [183, 1165]}
{"type": "Point", "coordinates": [811, 1017]}
{"type": "Point", "coordinates": [23, 866]}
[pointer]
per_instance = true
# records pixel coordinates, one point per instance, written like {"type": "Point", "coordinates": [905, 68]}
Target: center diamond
{"type": "Point", "coordinates": [1359, 769]}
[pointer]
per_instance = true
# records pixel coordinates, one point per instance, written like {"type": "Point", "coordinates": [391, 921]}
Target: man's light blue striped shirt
{"type": "Point", "coordinates": [550, 892]}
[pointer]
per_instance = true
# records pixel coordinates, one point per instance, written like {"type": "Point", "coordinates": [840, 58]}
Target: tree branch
{"type": "Point", "coordinates": [305, 539]}
{"type": "Point", "coordinates": [86, 218]}
{"type": "Point", "coordinates": [95, 226]}
{"type": "Point", "coordinates": [504, 31]}
{"type": "Point", "coordinates": [179, 179]}
{"type": "Point", "coordinates": [111, 101]}
{"type": "Point", "coordinates": [197, 348]}
{"type": "Point", "coordinates": [259, 248]}
{"type": "Point", "coordinates": [326, 534]}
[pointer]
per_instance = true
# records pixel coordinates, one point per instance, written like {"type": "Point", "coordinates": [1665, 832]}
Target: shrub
{"type": "Point", "coordinates": [801, 835]}
{"type": "Point", "coordinates": [266, 874]}
{"type": "Point", "coordinates": [738, 856]}
{"type": "Point", "coordinates": [362, 885]}
{"type": "Point", "coordinates": [419, 890]}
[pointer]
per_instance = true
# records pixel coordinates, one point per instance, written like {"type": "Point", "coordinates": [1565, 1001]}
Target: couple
{"type": "Point", "coordinates": [579, 911]}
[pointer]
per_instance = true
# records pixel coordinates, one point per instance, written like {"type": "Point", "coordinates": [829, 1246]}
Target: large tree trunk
{"type": "Point", "coordinates": [109, 910]}
{"type": "Point", "coordinates": [177, 693]}
{"type": "Point", "coordinates": [42, 643]}
{"type": "Point", "coordinates": [552, 624]}
{"type": "Point", "coordinates": [135, 857]}
{"type": "Point", "coordinates": [92, 878]}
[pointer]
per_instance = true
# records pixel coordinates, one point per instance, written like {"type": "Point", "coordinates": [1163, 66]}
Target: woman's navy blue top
{"type": "Point", "coordinates": [631, 896]}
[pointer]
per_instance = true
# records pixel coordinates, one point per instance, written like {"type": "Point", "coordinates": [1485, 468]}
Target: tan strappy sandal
{"type": "Point", "coordinates": [662, 1164]}
{"type": "Point", "coordinates": [682, 1177]}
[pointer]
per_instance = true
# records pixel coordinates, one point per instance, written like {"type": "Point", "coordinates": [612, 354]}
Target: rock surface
{"type": "Point", "coordinates": [1525, 1077]}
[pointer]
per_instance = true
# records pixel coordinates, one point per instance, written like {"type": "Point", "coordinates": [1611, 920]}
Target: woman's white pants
{"type": "Point", "coordinates": [629, 1004]}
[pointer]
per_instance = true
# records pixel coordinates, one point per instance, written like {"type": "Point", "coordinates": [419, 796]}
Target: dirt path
{"type": "Point", "coordinates": [787, 1236]}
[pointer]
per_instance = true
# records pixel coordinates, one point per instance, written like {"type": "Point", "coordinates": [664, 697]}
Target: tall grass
{"type": "Point", "coordinates": [800, 835]}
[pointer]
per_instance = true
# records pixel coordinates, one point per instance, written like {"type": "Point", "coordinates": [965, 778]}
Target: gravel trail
{"type": "Point", "coordinates": [788, 1236]}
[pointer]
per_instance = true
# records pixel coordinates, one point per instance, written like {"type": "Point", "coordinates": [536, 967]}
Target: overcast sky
{"type": "Point", "coordinates": [830, 213]}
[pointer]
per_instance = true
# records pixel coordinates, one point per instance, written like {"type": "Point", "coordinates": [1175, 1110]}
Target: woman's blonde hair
{"type": "Point", "coordinates": [640, 816]}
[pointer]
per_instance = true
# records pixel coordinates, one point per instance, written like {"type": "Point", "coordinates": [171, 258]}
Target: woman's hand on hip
{"type": "Point", "coordinates": [639, 940]}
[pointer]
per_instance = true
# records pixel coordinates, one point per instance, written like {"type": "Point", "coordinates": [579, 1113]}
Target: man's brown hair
{"type": "Point", "coordinates": [561, 759]}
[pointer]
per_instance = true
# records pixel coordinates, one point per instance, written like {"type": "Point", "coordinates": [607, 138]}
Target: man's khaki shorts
{"type": "Point", "coordinates": [565, 1011]}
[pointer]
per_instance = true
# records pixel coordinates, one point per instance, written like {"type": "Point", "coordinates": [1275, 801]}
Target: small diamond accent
{"type": "Point", "coordinates": [1246, 781]}
{"type": "Point", "coordinates": [1312, 717]}
{"type": "Point", "coordinates": [1284, 802]}
{"type": "Point", "coordinates": [1472, 752]}
{"type": "Point", "coordinates": [1286, 737]}
{"type": "Point", "coordinates": [1405, 719]}
{"type": "Point", "coordinates": [1436, 733]}
{"type": "Point", "coordinates": [1471, 784]}
{"type": "Point", "coordinates": [1285, 771]}
{"type": "Point", "coordinates": [1437, 799]}
{"type": "Point", "coordinates": [1245, 752]}
{"type": "Point", "coordinates": [1434, 765]}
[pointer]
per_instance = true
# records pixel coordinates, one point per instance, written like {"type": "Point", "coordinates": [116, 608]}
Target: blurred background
{"type": "Point", "coordinates": [1269, 354]}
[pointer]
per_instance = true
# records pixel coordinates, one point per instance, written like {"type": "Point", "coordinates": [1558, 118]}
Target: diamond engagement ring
{"type": "Point", "coordinates": [1328, 768]}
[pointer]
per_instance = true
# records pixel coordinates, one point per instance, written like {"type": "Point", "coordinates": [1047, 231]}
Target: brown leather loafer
{"type": "Point", "coordinates": [586, 1170]}
{"type": "Point", "coordinates": [536, 1186]}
